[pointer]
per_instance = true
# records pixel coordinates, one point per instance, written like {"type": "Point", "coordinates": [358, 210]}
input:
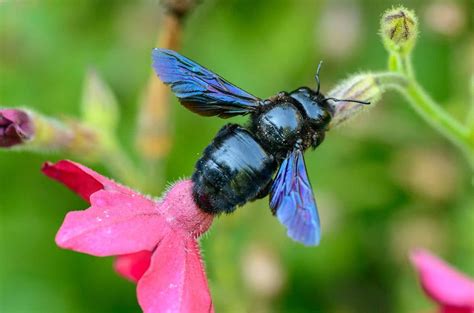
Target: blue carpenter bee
{"type": "Point", "coordinates": [240, 163]}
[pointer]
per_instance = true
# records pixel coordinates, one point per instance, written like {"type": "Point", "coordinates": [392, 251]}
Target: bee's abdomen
{"type": "Point", "coordinates": [234, 169]}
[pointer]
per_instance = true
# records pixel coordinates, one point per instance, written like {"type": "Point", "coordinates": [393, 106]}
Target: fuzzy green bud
{"type": "Point", "coordinates": [367, 87]}
{"type": "Point", "coordinates": [68, 136]}
{"type": "Point", "coordinates": [399, 29]}
{"type": "Point", "coordinates": [99, 105]}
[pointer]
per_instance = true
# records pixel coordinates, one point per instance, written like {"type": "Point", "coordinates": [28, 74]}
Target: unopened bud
{"type": "Point", "coordinates": [33, 131]}
{"type": "Point", "coordinates": [99, 105]}
{"type": "Point", "coordinates": [399, 29]}
{"type": "Point", "coordinates": [16, 127]}
{"type": "Point", "coordinates": [367, 87]}
{"type": "Point", "coordinates": [179, 7]}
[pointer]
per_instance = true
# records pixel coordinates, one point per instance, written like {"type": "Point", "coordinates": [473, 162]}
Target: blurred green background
{"type": "Point", "coordinates": [385, 183]}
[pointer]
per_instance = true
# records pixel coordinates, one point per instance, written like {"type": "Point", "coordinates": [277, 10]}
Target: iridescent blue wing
{"type": "Point", "coordinates": [199, 89]}
{"type": "Point", "coordinates": [292, 200]}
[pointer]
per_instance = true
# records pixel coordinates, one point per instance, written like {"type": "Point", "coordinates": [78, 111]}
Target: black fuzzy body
{"type": "Point", "coordinates": [239, 165]}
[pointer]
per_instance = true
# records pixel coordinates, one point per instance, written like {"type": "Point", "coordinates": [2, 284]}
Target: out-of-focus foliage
{"type": "Point", "coordinates": [384, 183]}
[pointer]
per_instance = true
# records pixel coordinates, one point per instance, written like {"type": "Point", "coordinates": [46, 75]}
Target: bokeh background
{"type": "Point", "coordinates": [385, 183]}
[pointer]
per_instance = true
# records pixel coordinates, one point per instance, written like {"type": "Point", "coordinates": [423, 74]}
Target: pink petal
{"type": "Point", "coordinates": [443, 283]}
{"type": "Point", "coordinates": [133, 266]}
{"type": "Point", "coordinates": [124, 223]}
{"type": "Point", "coordinates": [175, 281]}
{"type": "Point", "coordinates": [80, 179]}
{"type": "Point", "coordinates": [116, 223]}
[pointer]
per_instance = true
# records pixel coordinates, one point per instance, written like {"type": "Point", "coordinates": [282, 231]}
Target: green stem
{"type": "Point", "coordinates": [435, 115]}
{"type": "Point", "coordinates": [470, 116]}
{"type": "Point", "coordinates": [439, 118]}
{"type": "Point", "coordinates": [408, 66]}
{"type": "Point", "coordinates": [432, 112]}
{"type": "Point", "coordinates": [394, 62]}
{"type": "Point", "coordinates": [401, 64]}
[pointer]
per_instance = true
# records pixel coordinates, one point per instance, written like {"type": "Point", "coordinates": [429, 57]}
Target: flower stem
{"type": "Point", "coordinates": [470, 116]}
{"type": "Point", "coordinates": [431, 111]}
{"type": "Point", "coordinates": [153, 139]}
{"type": "Point", "coordinates": [438, 117]}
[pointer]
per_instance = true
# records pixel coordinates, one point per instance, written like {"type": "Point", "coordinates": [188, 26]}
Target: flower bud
{"type": "Point", "coordinates": [67, 136]}
{"type": "Point", "coordinates": [30, 130]}
{"type": "Point", "coordinates": [16, 127]}
{"type": "Point", "coordinates": [399, 28]}
{"type": "Point", "coordinates": [99, 106]}
{"type": "Point", "coordinates": [367, 87]}
{"type": "Point", "coordinates": [179, 8]}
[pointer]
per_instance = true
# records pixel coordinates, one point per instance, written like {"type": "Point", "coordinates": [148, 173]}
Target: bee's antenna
{"type": "Point", "coordinates": [347, 100]}
{"type": "Point", "coordinates": [317, 75]}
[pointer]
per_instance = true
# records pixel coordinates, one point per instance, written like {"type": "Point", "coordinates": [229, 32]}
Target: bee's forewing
{"type": "Point", "coordinates": [199, 89]}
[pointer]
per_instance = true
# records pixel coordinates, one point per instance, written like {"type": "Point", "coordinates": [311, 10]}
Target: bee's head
{"type": "Point", "coordinates": [315, 105]}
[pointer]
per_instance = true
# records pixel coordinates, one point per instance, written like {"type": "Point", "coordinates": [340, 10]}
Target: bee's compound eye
{"type": "Point", "coordinates": [322, 119]}
{"type": "Point", "coordinates": [326, 116]}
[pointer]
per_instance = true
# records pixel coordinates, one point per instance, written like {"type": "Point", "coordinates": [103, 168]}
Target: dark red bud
{"type": "Point", "coordinates": [16, 127]}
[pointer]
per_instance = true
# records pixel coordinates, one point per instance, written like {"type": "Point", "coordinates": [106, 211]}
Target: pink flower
{"type": "Point", "coordinates": [16, 127]}
{"type": "Point", "coordinates": [452, 290]}
{"type": "Point", "coordinates": [154, 241]}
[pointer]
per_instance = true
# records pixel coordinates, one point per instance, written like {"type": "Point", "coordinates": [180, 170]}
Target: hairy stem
{"type": "Point", "coordinates": [470, 116]}
{"type": "Point", "coordinates": [431, 111]}
{"type": "Point", "coordinates": [153, 139]}
{"type": "Point", "coordinates": [440, 119]}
